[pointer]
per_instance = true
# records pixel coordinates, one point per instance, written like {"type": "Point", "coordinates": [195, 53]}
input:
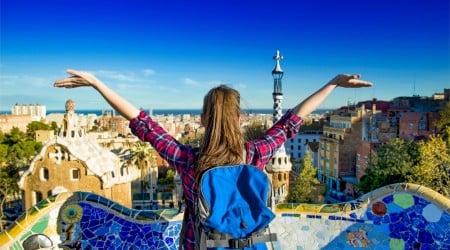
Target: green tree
{"type": "Point", "coordinates": [444, 118]}
{"type": "Point", "coordinates": [14, 136]}
{"type": "Point", "coordinates": [16, 152]}
{"type": "Point", "coordinates": [304, 184]}
{"type": "Point", "coordinates": [254, 131]}
{"type": "Point", "coordinates": [142, 156]}
{"type": "Point", "coordinates": [35, 125]}
{"type": "Point", "coordinates": [392, 164]}
{"type": "Point", "coordinates": [168, 180]}
{"type": "Point", "coordinates": [434, 166]}
{"type": "Point", "coordinates": [8, 186]}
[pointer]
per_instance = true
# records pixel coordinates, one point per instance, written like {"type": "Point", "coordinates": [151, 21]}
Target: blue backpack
{"type": "Point", "coordinates": [233, 208]}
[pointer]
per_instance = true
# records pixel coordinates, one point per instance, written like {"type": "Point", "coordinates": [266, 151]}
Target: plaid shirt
{"type": "Point", "coordinates": [182, 157]}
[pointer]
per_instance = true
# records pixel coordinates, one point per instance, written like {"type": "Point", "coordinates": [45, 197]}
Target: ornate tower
{"type": "Point", "coordinates": [280, 164]}
{"type": "Point", "coordinates": [70, 129]}
{"type": "Point", "coordinates": [277, 74]}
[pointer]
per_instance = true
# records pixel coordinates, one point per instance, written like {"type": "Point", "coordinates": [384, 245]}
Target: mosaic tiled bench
{"type": "Point", "coordinates": [399, 216]}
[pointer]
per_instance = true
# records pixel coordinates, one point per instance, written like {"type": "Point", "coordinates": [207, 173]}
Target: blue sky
{"type": "Point", "coordinates": [168, 54]}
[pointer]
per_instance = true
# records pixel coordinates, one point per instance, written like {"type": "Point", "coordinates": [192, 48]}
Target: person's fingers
{"type": "Point", "coordinates": [360, 83]}
{"type": "Point", "coordinates": [356, 76]}
{"type": "Point", "coordinates": [71, 82]}
{"type": "Point", "coordinates": [73, 72]}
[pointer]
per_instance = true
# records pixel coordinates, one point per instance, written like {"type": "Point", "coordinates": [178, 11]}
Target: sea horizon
{"type": "Point", "coordinates": [99, 112]}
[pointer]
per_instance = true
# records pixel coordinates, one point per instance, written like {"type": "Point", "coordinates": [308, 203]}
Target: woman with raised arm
{"type": "Point", "coordinates": [223, 142]}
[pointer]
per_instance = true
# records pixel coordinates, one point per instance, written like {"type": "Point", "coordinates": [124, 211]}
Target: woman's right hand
{"type": "Point", "coordinates": [85, 79]}
{"type": "Point", "coordinates": [78, 79]}
{"type": "Point", "coordinates": [349, 81]}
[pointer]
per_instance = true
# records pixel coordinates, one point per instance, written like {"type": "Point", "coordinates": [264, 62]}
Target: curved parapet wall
{"type": "Point", "coordinates": [399, 216]}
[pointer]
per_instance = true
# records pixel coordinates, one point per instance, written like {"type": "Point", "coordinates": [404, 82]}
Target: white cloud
{"type": "Point", "coordinates": [240, 86]}
{"type": "Point", "coordinates": [215, 83]}
{"type": "Point", "coordinates": [8, 79]}
{"type": "Point", "coordinates": [129, 77]}
{"type": "Point", "coordinates": [14, 80]}
{"type": "Point", "coordinates": [148, 72]}
{"type": "Point", "coordinates": [190, 82]}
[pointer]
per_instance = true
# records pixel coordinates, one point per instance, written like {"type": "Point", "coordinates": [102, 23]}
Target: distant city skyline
{"type": "Point", "coordinates": [168, 54]}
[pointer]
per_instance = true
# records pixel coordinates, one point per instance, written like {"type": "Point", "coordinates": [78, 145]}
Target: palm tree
{"type": "Point", "coordinates": [143, 156]}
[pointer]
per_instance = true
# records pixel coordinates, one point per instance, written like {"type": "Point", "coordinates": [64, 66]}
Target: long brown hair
{"type": "Point", "coordinates": [223, 142]}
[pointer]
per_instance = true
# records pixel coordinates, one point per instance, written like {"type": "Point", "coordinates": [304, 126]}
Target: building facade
{"type": "Point", "coordinates": [72, 162]}
{"type": "Point", "coordinates": [337, 151]}
{"type": "Point", "coordinates": [7, 122]}
{"type": "Point", "coordinates": [36, 111]}
{"type": "Point", "coordinates": [296, 147]}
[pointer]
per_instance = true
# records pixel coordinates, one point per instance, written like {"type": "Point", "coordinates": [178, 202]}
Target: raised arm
{"type": "Point", "coordinates": [81, 79]}
{"type": "Point", "coordinates": [313, 101]}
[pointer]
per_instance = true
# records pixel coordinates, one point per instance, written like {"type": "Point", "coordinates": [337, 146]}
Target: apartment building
{"type": "Point", "coordinates": [36, 111]}
{"type": "Point", "coordinates": [337, 150]}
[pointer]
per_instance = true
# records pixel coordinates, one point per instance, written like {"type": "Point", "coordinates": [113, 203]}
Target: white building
{"type": "Point", "coordinates": [296, 146]}
{"type": "Point", "coordinates": [37, 111]}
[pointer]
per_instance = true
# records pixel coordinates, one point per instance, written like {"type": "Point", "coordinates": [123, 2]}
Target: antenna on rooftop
{"type": "Point", "coordinates": [414, 85]}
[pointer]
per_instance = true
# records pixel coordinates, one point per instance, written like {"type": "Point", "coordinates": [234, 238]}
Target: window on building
{"type": "Point", "coordinates": [44, 175]}
{"type": "Point", "coordinates": [279, 177]}
{"type": "Point", "coordinates": [37, 197]}
{"type": "Point", "coordinates": [299, 147]}
{"type": "Point", "coordinates": [422, 126]}
{"type": "Point", "coordinates": [75, 174]}
{"type": "Point", "coordinates": [299, 155]}
{"type": "Point", "coordinates": [411, 126]}
{"type": "Point", "coordinates": [358, 157]}
{"type": "Point", "coordinates": [299, 140]}
{"type": "Point", "coordinates": [307, 140]}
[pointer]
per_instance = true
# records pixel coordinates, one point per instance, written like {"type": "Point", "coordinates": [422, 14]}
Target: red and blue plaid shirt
{"type": "Point", "coordinates": [182, 157]}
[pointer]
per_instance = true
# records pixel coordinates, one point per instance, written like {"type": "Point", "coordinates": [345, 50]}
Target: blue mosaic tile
{"type": "Point", "coordinates": [103, 228]}
{"type": "Point", "coordinates": [394, 208]}
{"type": "Point", "coordinates": [395, 217]}
{"type": "Point", "coordinates": [87, 233]}
{"type": "Point", "coordinates": [445, 219]}
{"type": "Point", "coordinates": [169, 241]}
{"type": "Point", "coordinates": [425, 237]}
{"type": "Point", "coordinates": [388, 199]}
{"type": "Point", "coordinates": [420, 201]}
{"type": "Point", "coordinates": [386, 219]}
{"type": "Point", "coordinates": [370, 215]}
